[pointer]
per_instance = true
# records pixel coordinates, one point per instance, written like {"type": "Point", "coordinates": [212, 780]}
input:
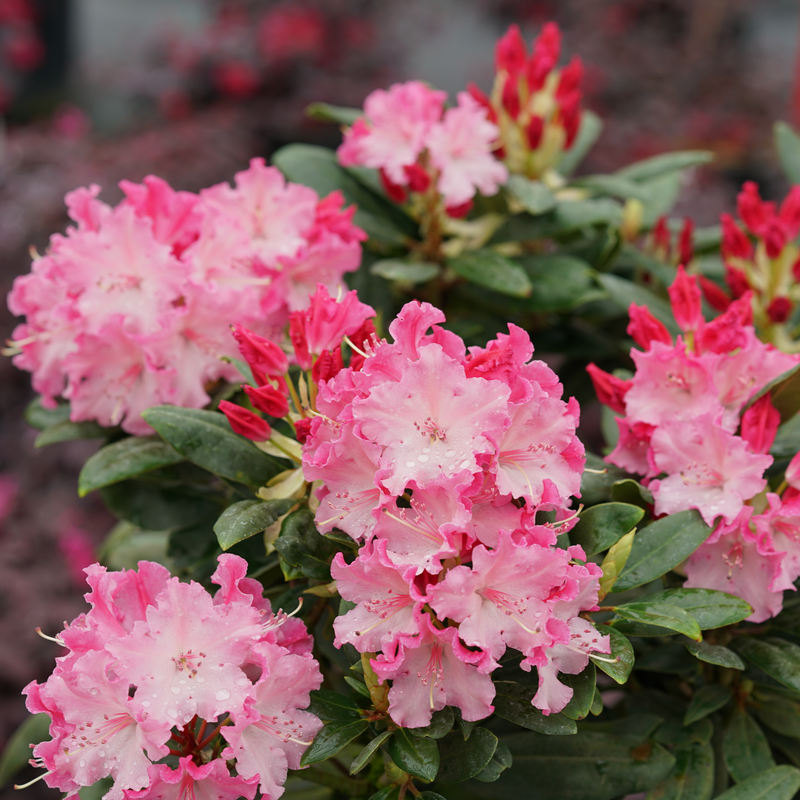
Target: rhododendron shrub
{"type": "Point", "coordinates": [132, 307]}
{"type": "Point", "coordinates": [158, 667]}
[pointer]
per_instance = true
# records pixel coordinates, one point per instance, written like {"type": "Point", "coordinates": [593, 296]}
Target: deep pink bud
{"type": "Point", "coordinates": [727, 333]}
{"type": "Point", "coordinates": [790, 211]}
{"type": "Point", "coordinates": [610, 389]}
{"type": "Point", "coordinates": [661, 235]}
{"type": "Point", "coordinates": [534, 132]}
{"type": "Point", "coordinates": [685, 244]}
{"type": "Point", "coordinates": [265, 358]}
{"type": "Point", "coordinates": [394, 190]}
{"type": "Point", "coordinates": [644, 328]}
{"type": "Point", "coordinates": [796, 270]}
{"type": "Point", "coordinates": [793, 472]}
{"type": "Point", "coordinates": [569, 82]}
{"type": "Point", "coordinates": [735, 243]}
{"type": "Point", "coordinates": [779, 310]}
{"type": "Point", "coordinates": [302, 429]}
{"type": "Point", "coordinates": [752, 210]}
{"type": "Point", "coordinates": [685, 298]}
{"type": "Point", "coordinates": [548, 42]}
{"type": "Point", "coordinates": [760, 424]}
{"type": "Point", "coordinates": [269, 400]}
{"type": "Point", "coordinates": [479, 95]}
{"type": "Point", "coordinates": [460, 210]}
{"type": "Point", "coordinates": [327, 366]}
{"type": "Point", "coordinates": [245, 422]}
{"type": "Point", "coordinates": [775, 237]}
{"type": "Point", "coordinates": [510, 97]}
{"type": "Point", "coordinates": [511, 52]}
{"type": "Point", "coordinates": [418, 178]}
{"type": "Point", "coordinates": [715, 295]}
{"type": "Point", "coordinates": [571, 118]}
{"type": "Point", "coordinates": [737, 281]}
{"type": "Point", "coordinates": [537, 70]}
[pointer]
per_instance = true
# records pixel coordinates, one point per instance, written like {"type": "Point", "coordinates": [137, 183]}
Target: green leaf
{"type": "Point", "coordinates": [39, 417]}
{"type": "Point", "coordinates": [68, 431]}
{"type": "Point", "coordinates": [396, 269]}
{"type": "Point", "coordinates": [317, 167]}
{"type": "Point", "coordinates": [460, 760]}
{"type": "Point", "coordinates": [330, 706]}
{"type": "Point", "coordinates": [205, 438]}
{"type": "Point", "coordinates": [745, 748]}
{"type": "Point", "coordinates": [302, 546]}
{"type": "Point", "coordinates": [614, 562]}
{"type": "Point", "coordinates": [583, 690]}
{"type": "Point", "coordinates": [674, 732]}
{"type": "Point", "coordinates": [778, 658]}
{"type": "Point", "coordinates": [367, 754]}
{"type": "Point", "coordinates": [357, 686]}
{"type": "Point", "coordinates": [662, 194]}
{"type": "Point", "coordinates": [707, 699]}
{"type": "Point", "coordinates": [601, 526]}
{"type": "Point", "coordinates": [431, 796]}
{"type": "Point", "coordinates": [588, 133]}
{"type": "Point", "coordinates": [124, 459]}
{"type": "Point", "coordinates": [661, 546]}
{"type": "Point", "coordinates": [714, 654]}
{"type": "Point", "coordinates": [666, 162]}
{"type": "Point", "coordinates": [513, 702]}
{"type": "Point", "coordinates": [624, 292]}
{"type": "Point", "coordinates": [669, 657]}
{"type": "Point", "coordinates": [247, 518]}
{"type": "Point", "coordinates": [711, 609]}
{"type": "Point", "coordinates": [418, 757]}
{"type": "Point", "coordinates": [662, 614]}
{"type": "Point", "coordinates": [441, 724]}
{"type": "Point", "coordinates": [784, 392]}
{"type": "Point", "coordinates": [331, 739]}
{"type": "Point", "coordinates": [778, 783]}
{"type": "Point", "coordinates": [589, 766]}
{"type": "Point", "coordinates": [559, 282]}
{"type": "Point", "coordinates": [787, 143]}
{"type": "Point", "coordinates": [596, 488]}
{"type": "Point", "coordinates": [779, 713]}
{"type": "Point", "coordinates": [612, 186]}
{"type": "Point", "coordinates": [17, 751]}
{"type": "Point", "coordinates": [387, 793]}
{"type": "Point", "coordinates": [621, 651]}
{"type": "Point", "coordinates": [534, 196]}
{"type": "Point", "coordinates": [787, 439]}
{"type": "Point", "coordinates": [492, 271]}
{"type": "Point", "coordinates": [692, 777]}
{"type": "Point", "coordinates": [500, 761]}
{"type": "Point", "coordinates": [324, 112]}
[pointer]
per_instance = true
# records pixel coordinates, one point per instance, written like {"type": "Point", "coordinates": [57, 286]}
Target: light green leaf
{"type": "Point", "coordinates": [559, 282]}
{"type": "Point", "coordinates": [784, 392]}
{"type": "Point", "coordinates": [395, 269]}
{"type": "Point", "coordinates": [601, 526]}
{"type": "Point", "coordinates": [17, 751]}
{"type": "Point", "coordinates": [534, 196]}
{"type": "Point", "coordinates": [68, 431]}
{"type": "Point", "coordinates": [367, 754]}
{"type": "Point", "coordinates": [614, 562]}
{"type": "Point", "coordinates": [493, 271]}
{"type": "Point", "coordinates": [666, 162]}
{"type": "Point", "coordinates": [621, 654]}
{"type": "Point", "coordinates": [611, 186]}
{"type": "Point", "coordinates": [711, 608]}
{"type": "Point", "coordinates": [778, 783]}
{"type": "Point", "coordinates": [324, 112]}
{"type": "Point", "coordinates": [39, 417]}
{"type": "Point", "coordinates": [787, 143]}
{"type": "Point", "coordinates": [662, 614]}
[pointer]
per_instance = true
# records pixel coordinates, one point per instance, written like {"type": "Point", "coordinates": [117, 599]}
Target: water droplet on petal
{"type": "Point", "coordinates": [449, 453]}
{"type": "Point", "coordinates": [465, 463]}
{"type": "Point", "coordinates": [146, 704]}
{"type": "Point", "coordinates": [81, 763]}
{"type": "Point", "coordinates": [410, 464]}
{"type": "Point", "coordinates": [201, 679]}
{"type": "Point", "coordinates": [422, 458]}
{"type": "Point", "coordinates": [92, 691]}
{"type": "Point", "coordinates": [222, 694]}
{"type": "Point", "coordinates": [242, 682]}
{"type": "Point", "coordinates": [172, 713]}
{"type": "Point", "coordinates": [175, 689]}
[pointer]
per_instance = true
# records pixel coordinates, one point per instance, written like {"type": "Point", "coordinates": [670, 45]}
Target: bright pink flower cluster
{"type": "Point", "coordinates": [685, 425]}
{"type": "Point", "coordinates": [437, 460]}
{"type": "Point", "coordinates": [420, 147]}
{"type": "Point", "coordinates": [133, 306]}
{"type": "Point", "coordinates": [160, 667]}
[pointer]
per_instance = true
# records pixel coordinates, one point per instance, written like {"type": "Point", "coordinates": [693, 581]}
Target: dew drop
{"type": "Point", "coordinates": [449, 453]}
{"type": "Point", "coordinates": [242, 682]}
{"type": "Point", "coordinates": [145, 704]}
{"type": "Point", "coordinates": [155, 696]}
{"type": "Point", "coordinates": [464, 464]}
{"type": "Point", "coordinates": [222, 694]}
{"type": "Point", "coordinates": [175, 689]}
{"type": "Point", "coordinates": [410, 464]}
{"type": "Point", "coordinates": [201, 679]}
{"type": "Point", "coordinates": [422, 458]}
{"type": "Point", "coordinates": [106, 765]}
{"type": "Point", "coordinates": [92, 691]}
{"type": "Point", "coordinates": [81, 763]}
{"type": "Point", "coordinates": [172, 713]}
{"type": "Point", "coordinates": [101, 753]}
{"type": "Point", "coordinates": [426, 449]}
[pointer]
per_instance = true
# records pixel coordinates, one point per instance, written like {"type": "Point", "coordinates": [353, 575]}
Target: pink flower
{"type": "Point", "coordinates": [210, 781]}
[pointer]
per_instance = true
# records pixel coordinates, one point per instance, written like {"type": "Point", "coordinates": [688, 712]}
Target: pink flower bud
{"type": "Point", "coordinates": [265, 358]}
{"type": "Point", "coordinates": [395, 191]}
{"type": "Point", "coordinates": [645, 328]}
{"type": "Point", "coordinates": [245, 422]}
{"type": "Point", "coordinates": [534, 132]}
{"type": "Point", "coordinates": [735, 243]}
{"type": "Point", "coordinates": [269, 400]}
{"type": "Point", "coordinates": [737, 281]}
{"type": "Point", "coordinates": [685, 298]}
{"type": "Point", "coordinates": [760, 424]}
{"type": "Point", "coordinates": [685, 244]}
{"type": "Point", "coordinates": [790, 212]}
{"type": "Point", "coordinates": [460, 210]}
{"type": "Point", "coordinates": [779, 310]}
{"type": "Point", "coordinates": [510, 98]}
{"type": "Point", "coordinates": [511, 52]}
{"type": "Point", "coordinates": [715, 295]}
{"type": "Point", "coordinates": [418, 178]}
{"type": "Point", "coordinates": [775, 237]}
{"type": "Point", "coordinates": [661, 235]}
{"type": "Point", "coordinates": [610, 389]}
{"type": "Point", "coordinates": [752, 210]}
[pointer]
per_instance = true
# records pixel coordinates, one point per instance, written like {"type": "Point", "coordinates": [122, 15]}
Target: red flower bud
{"type": "Point", "coordinates": [760, 424]}
{"type": "Point", "coordinates": [610, 389]}
{"type": "Point", "coordinates": [269, 400]}
{"type": "Point", "coordinates": [362, 339]}
{"type": "Point", "coordinates": [775, 237]}
{"type": "Point", "coordinates": [715, 295]}
{"type": "Point", "coordinates": [510, 97]}
{"type": "Point", "coordinates": [661, 235]}
{"type": "Point", "coordinates": [548, 42]}
{"type": "Point", "coordinates": [302, 428]}
{"type": "Point", "coordinates": [779, 310]}
{"type": "Point", "coordinates": [726, 333]}
{"type": "Point", "coordinates": [790, 211]}
{"type": "Point", "coordinates": [685, 244]}
{"type": "Point", "coordinates": [534, 132]}
{"type": "Point", "coordinates": [418, 178]}
{"type": "Point", "coordinates": [265, 358]}
{"type": "Point", "coordinates": [245, 422]}
{"type": "Point", "coordinates": [737, 281]}
{"type": "Point", "coordinates": [735, 243]}
{"type": "Point", "coordinates": [393, 190]}
{"type": "Point", "coordinates": [644, 328]}
{"type": "Point", "coordinates": [752, 210]}
{"type": "Point", "coordinates": [685, 298]}
{"type": "Point", "coordinates": [569, 82]}
{"type": "Point", "coordinates": [511, 52]}
{"type": "Point", "coordinates": [459, 211]}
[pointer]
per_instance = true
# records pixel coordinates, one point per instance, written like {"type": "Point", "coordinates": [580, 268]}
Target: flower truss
{"type": "Point", "coordinates": [437, 460]}
{"type": "Point", "coordinates": [687, 425]}
{"type": "Point", "coordinates": [163, 687]}
{"type": "Point", "coordinates": [132, 307]}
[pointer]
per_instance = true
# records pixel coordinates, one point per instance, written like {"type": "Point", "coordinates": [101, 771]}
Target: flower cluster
{"type": "Point", "coordinates": [437, 461]}
{"type": "Point", "coordinates": [444, 156]}
{"type": "Point", "coordinates": [132, 307]}
{"type": "Point", "coordinates": [678, 423]}
{"type": "Point", "coordinates": [158, 668]}
{"type": "Point", "coordinates": [536, 106]}
{"type": "Point", "coordinates": [768, 267]}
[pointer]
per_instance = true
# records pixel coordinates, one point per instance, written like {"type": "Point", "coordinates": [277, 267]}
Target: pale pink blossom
{"type": "Point", "coordinates": [211, 781]}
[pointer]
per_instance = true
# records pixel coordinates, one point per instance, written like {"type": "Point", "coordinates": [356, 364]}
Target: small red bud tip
{"type": "Point", "coordinates": [779, 310]}
{"type": "Point", "coordinates": [685, 298]}
{"type": "Point", "coordinates": [269, 400]}
{"type": "Point", "coordinates": [790, 212]}
{"type": "Point", "coordinates": [570, 80]}
{"type": "Point", "coordinates": [735, 243]}
{"type": "Point", "coordinates": [459, 211]}
{"type": "Point", "coordinates": [775, 237]}
{"type": "Point", "coordinates": [715, 295]}
{"type": "Point", "coordinates": [752, 210]}
{"type": "Point", "coordinates": [394, 191]}
{"type": "Point", "coordinates": [610, 389]}
{"type": "Point", "coordinates": [736, 280]}
{"type": "Point", "coordinates": [265, 358]}
{"type": "Point", "coordinates": [418, 178]}
{"type": "Point", "coordinates": [245, 422]}
{"type": "Point", "coordinates": [534, 132]}
{"type": "Point", "coordinates": [511, 96]}
{"type": "Point", "coordinates": [302, 429]}
{"type": "Point", "coordinates": [548, 42]}
{"type": "Point", "coordinates": [760, 424]}
{"type": "Point", "coordinates": [511, 53]}
{"type": "Point", "coordinates": [685, 243]}
{"type": "Point", "coordinates": [644, 328]}
{"type": "Point", "coordinates": [327, 366]}
{"type": "Point", "coordinates": [661, 235]}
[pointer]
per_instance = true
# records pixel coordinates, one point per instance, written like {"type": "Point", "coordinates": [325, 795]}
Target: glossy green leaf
{"type": "Point", "coordinates": [778, 783]}
{"type": "Point", "coordinates": [357, 686]}
{"type": "Point", "coordinates": [124, 459]}
{"type": "Point", "coordinates": [666, 162]}
{"type": "Point", "coordinates": [560, 282]}
{"type": "Point", "coordinates": [302, 546]}
{"type": "Point", "coordinates": [583, 691]}
{"type": "Point", "coordinates": [707, 699]}
{"type": "Point", "coordinates": [692, 777]}
{"type": "Point", "coordinates": [777, 657]}
{"type": "Point", "coordinates": [500, 761]}
{"type": "Point", "coordinates": [596, 485]}
{"type": "Point", "coordinates": [781, 714]}
{"type": "Point", "coordinates": [418, 757]}
{"type": "Point", "coordinates": [331, 738]}
{"type": "Point", "coordinates": [673, 732]}
{"type": "Point", "coordinates": [68, 431]}
{"type": "Point", "coordinates": [324, 112]}
{"type": "Point", "coordinates": [17, 751]}
{"type": "Point", "coordinates": [621, 652]}
{"type": "Point", "coordinates": [662, 194]}
{"type": "Point", "coordinates": [611, 186]}
{"type": "Point", "coordinates": [714, 654]}
{"type": "Point", "coordinates": [784, 392]}
{"type": "Point", "coordinates": [745, 748]}
{"type": "Point", "coordinates": [787, 143]}
{"type": "Point", "coordinates": [441, 724]}
{"type": "Point", "coordinates": [368, 753]}
{"type": "Point", "coordinates": [662, 614]}
{"type": "Point", "coordinates": [205, 438]}
{"type": "Point", "coordinates": [329, 706]}
{"type": "Point", "coordinates": [614, 562]}
{"type": "Point", "coordinates": [387, 793]}
{"type": "Point", "coordinates": [632, 492]}
{"type": "Point", "coordinates": [492, 271]}
{"type": "Point", "coordinates": [395, 269]}
{"type": "Point", "coordinates": [431, 796]}
{"type": "Point", "coordinates": [661, 546]}
{"type": "Point", "coordinates": [669, 657]}
{"type": "Point", "coordinates": [623, 292]}
{"type": "Point", "coordinates": [39, 417]}
{"type": "Point", "coordinates": [513, 702]}
{"type": "Point", "coordinates": [534, 196]}
{"type": "Point", "coordinates": [711, 609]}
{"type": "Point", "coordinates": [588, 133]}
{"type": "Point", "coordinates": [247, 518]}
{"type": "Point", "coordinates": [601, 526]}
{"type": "Point", "coordinates": [787, 439]}
{"type": "Point", "coordinates": [460, 760]}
